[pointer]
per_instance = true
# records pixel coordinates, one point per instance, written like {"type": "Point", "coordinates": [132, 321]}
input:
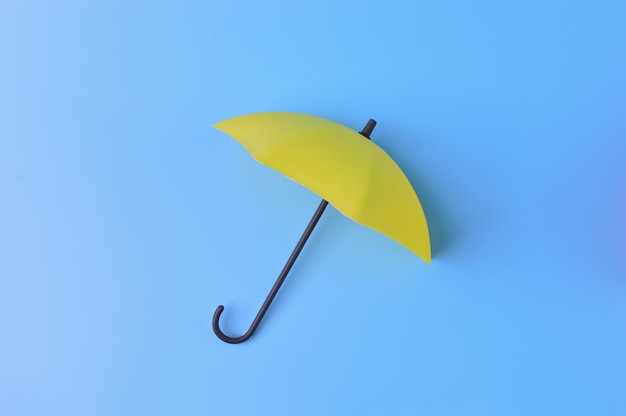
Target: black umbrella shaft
{"type": "Point", "coordinates": [367, 130]}
{"type": "Point", "coordinates": [279, 282]}
{"type": "Point", "coordinates": [290, 262]}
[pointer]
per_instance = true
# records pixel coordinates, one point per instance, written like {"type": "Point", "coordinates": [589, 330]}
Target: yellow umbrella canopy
{"type": "Point", "coordinates": [344, 168]}
{"type": "Point", "coordinates": [354, 174]}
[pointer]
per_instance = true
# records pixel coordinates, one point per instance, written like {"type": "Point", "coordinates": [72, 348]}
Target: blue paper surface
{"type": "Point", "coordinates": [125, 219]}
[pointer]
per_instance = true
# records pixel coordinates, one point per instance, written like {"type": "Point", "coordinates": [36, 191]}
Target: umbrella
{"type": "Point", "coordinates": [354, 174]}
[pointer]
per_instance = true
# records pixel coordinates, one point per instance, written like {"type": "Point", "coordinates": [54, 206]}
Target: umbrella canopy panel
{"type": "Point", "coordinates": [352, 173]}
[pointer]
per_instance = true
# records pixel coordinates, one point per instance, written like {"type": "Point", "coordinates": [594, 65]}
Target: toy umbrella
{"type": "Point", "coordinates": [354, 174]}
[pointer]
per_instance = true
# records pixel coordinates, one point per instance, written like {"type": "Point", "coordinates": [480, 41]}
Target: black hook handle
{"type": "Point", "coordinates": [367, 130]}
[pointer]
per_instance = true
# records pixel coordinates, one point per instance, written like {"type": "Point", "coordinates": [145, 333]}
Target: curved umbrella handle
{"type": "Point", "coordinates": [367, 130]}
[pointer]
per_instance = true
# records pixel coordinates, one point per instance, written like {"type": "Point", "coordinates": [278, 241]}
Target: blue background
{"type": "Point", "coordinates": [125, 218]}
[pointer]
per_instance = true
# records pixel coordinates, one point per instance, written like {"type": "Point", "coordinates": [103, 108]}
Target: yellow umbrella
{"type": "Point", "coordinates": [355, 175]}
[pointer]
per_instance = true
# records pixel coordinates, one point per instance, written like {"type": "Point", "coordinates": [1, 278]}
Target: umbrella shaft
{"type": "Point", "coordinates": [290, 262]}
